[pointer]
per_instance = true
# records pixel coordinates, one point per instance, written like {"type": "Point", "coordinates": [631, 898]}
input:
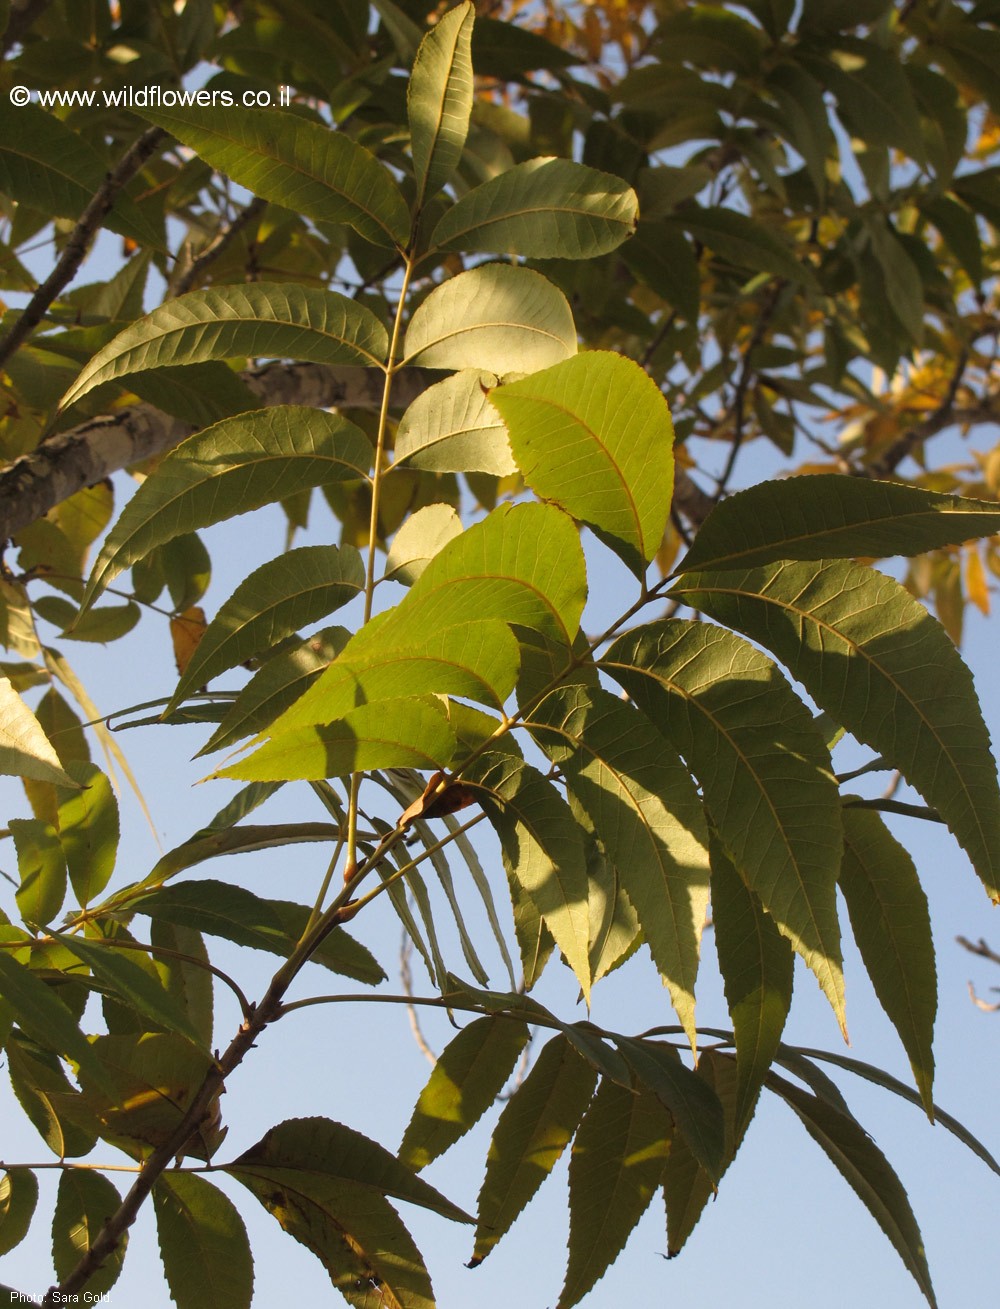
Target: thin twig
{"type": "Point", "coordinates": [76, 247]}
{"type": "Point", "coordinates": [217, 246]}
{"type": "Point", "coordinates": [896, 807]}
{"type": "Point", "coordinates": [406, 980]}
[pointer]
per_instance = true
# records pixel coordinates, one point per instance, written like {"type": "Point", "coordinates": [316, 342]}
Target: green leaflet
{"type": "Point", "coordinates": [594, 435]}
{"type": "Point", "coordinates": [875, 659]}
{"type": "Point", "coordinates": [830, 517]}
{"type": "Point", "coordinates": [744, 242]}
{"type": "Point", "coordinates": [542, 849]}
{"type": "Point", "coordinates": [874, 99]}
{"type": "Point", "coordinates": [354, 1232]}
{"type": "Point", "coordinates": [756, 966]}
{"type": "Point", "coordinates": [452, 427]}
{"type": "Point", "coordinates": [44, 164]}
{"type": "Point", "coordinates": [286, 593]}
{"type": "Point", "coordinates": [41, 1086]}
{"type": "Point", "coordinates": [301, 165]}
{"type": "Point", "coordinates": [84, 1202]}
{"type": "Point", "coordinates": [24, 748]}
{"type": "Point", "coordinates": [420, 538]}
{"type": "Point", "coordinates": [863, 1165]}
{"type": "Point", "coordinates": [189, 984]}
{"type": "Point", "coordinates": [41, 866]}
{"type": "Point", "coordinates": [236, 914]}
{"type": "Point", "coordinates": [132, 985]}
{"type": "Point", "coordinates": [763, 767]}
{"type": "Point", "coordinates": [231, 840]}
{"type": "Point", "coordinates": [231, 468]}
{"type": "Point", "coordinates": [648, 817]}
{"type": "Point", "coordinates": [523, 564]}
{"type": "Point", "coordinates": [478, 660]}
{"type": "Point", "coordinates": [542, 209]}
{"type": "Point", "coordinates": [469, 1075]}
{"type": "Point", "coordinates": [687, 1187]}
{"type": "Point", "coordinates": [325, 1149]}
{"type": "Point", "coordinates": [411, 732]}
{"type": "Point", "coordinates": [276, 686]}
{"type": "Point", "coordinates": [88, 830]}
{"type": "Point", "coordinates": [439, 101]}
{"type": "Point", "coordinates": [536, 1125]}
{"type": "Point", "coordinates": [618, 1156]}
{"type": "Point", "coordinates": [203, 1244]}
{"type": "Point", "coordinates": [497, 317]}
{"type": "Point", "coordinates": [262, 319]}
{"type": "Point", "coordinates": [18, 1199]}
{"type": "Point", "coordinates": [891, 924]}
{"type": "Point", "coordinates": [694, 1106]}
{"type": "Point", "coordinates": [43, 1017]}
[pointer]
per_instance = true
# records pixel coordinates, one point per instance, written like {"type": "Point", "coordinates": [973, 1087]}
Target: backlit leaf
{"type": "Point", "coordinates": [543, 209]}
{"type": "Point", "coordinates": [648, 817]}
{"type": "Point", "coordinates": [89, 830]}
{"type": "Point", "coordinates": [203, 1244]}
{"type": "Point", "coordinates": [536, 1125]}
{"type": "Point", "coordinates": [420, 538]}
{"type": "Point", "coordinates": [452, 427]}
{"type": "Point", "coordinates": [41, 866]}
{"type": "Point", "coordinates": [542, 849]}
{"type": "Point", "coordinates": [25, 750]}
{"type": "Point", "coordinates": [865, 1168]}
{"type": "Point", "coordinates": [439, 101]}
{"type": "Point", "coordinates": [18, 1198]}
{"type": "Point", "coordinates": [84, 1202]}
{"type": "Point", "coordinates": [469, 1075]}
{"type": "Point", "coordinates": [756, 966]}
{"type": "Point", "coordinates": [615, 1168]}
{"type": "Point", "coordinates": [594, 435]}
{"type": "Point", "coordinates": [401, 733]}
{"type": "Point", "coordinates": [496, 317]}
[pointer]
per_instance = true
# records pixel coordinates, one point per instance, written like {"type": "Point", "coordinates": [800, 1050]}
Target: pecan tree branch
{"type": "Point", "coordinates": [76, 247]}
{"type": "Point", "coordinates": [217, 246]}
{"type": "Point", "coordinates": [61, 465]}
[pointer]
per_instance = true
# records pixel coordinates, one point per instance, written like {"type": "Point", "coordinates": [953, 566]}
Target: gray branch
{"type": "Point", "coordinates": [64, 464]}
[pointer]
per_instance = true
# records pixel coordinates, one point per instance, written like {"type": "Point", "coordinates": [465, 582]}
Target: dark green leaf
{"type": "Point", "coordinates": [203, 1244]}
{"type": "Point", "coordinates": [439, 101]}
{"type": "Point", "coordinates": [860, 1162]}
{"type": "Point", "coordinates": [18, 1198]}
{"type": "Point", "coordinates": [286, 593]}
{"type": "Point", "coordinates": [892, 928]}
{"type": "Point", "coordinates": [874, 658]}
{"type": "Point", "coordinates": [469, 1075]}
{"type": "Point", "coordinates": [231, 468]}
{"type": "Point", "coordinates": [84, 1202]}
{"type": "Point", "coordinates": [763, 767]}
{"type": "Point", "coordinates": [88, 830]}
{"type": "Point", "coordinates": [618, 1156]}
{"type": "Point", "coordinates": [756, 966]}
{"type": "Point", "coordinates": [268, 319]}
{"type": "Point", "coordinates": [832, 517]}
{"type": "Point", "coordinates": [534, 1129]}
{"type": "Point", "coordinates": [41, 866]}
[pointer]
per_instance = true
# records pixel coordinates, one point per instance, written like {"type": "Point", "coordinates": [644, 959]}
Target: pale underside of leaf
{"type": "Point", "coordinates": [231, 468]}
{"type": "Point", "coordinates": [262, 320]}
{"type": "Point", "coordinates": [496, 317]}
{"type": "Point", "coordinates": [452, 427]}
{"type": "Point", "coordinates": [439, 101]}
{"type": "Point", "coordinates": [544, 209]}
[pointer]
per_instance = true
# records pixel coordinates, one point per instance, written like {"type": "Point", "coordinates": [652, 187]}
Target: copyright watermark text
{"type": "Point", "coordinates": [152, 97]}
